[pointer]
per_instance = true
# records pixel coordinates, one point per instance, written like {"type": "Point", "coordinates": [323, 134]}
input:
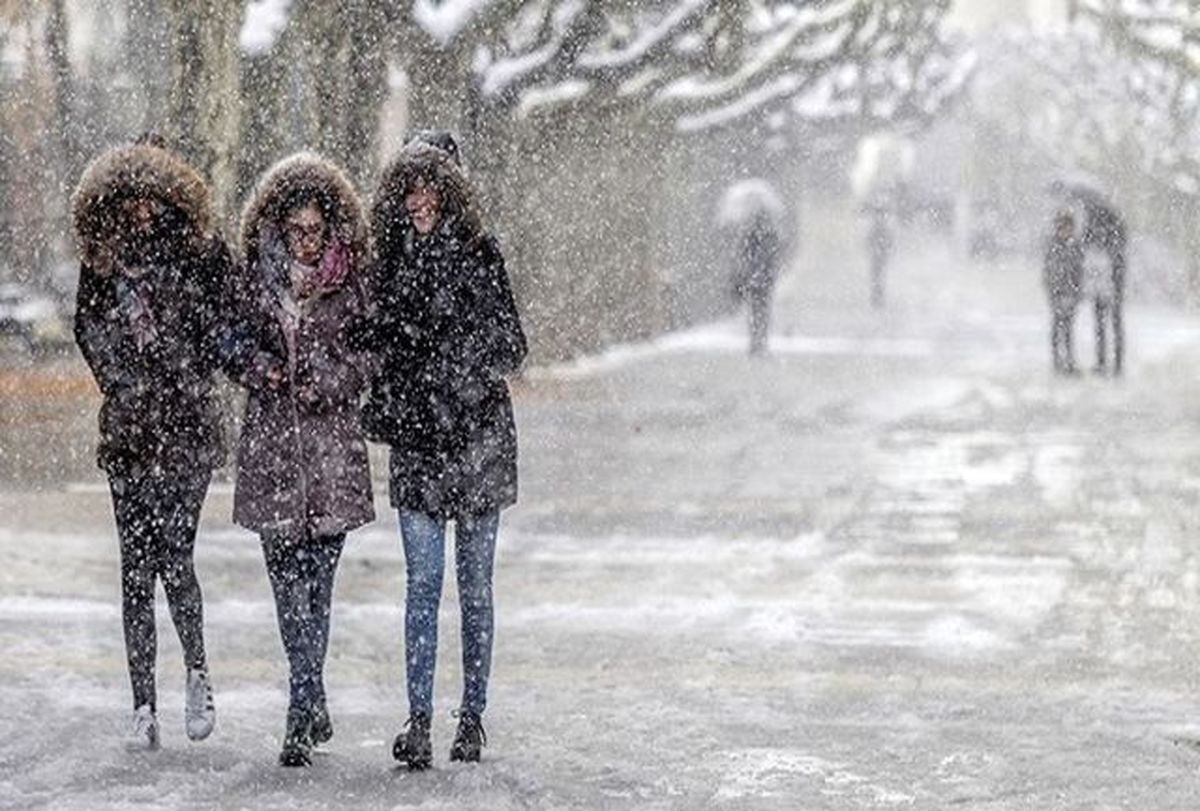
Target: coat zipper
{"type": "Point", "coordinates": [292, 341]}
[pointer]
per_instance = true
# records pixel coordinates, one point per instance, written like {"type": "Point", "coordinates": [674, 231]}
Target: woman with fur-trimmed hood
{"type": "Point", "coordinates": [446, 332]}
{"type": "Point", "coordinates": [303, 480]}
{"type": "Point", "coordinates": [148, 321]}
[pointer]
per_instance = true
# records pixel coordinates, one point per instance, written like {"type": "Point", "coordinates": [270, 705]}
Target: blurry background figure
{"type": "Point", "coordinates": [1099, 288]}
{"type": "Point", "coordinates": [983, 239]}
{"type": "Point", "coordinates": [1103, 238]}
{"type": "Point", "coordinates": [1062, 275]}
{"type": "Point", "coordinates": [752, 214]}
{"type": "Point", "coordinates": [881, 179]}
{"type": "Point", "coordinates": [880, 241]}
{"type": "Point", "coordinates": [1105, 232]}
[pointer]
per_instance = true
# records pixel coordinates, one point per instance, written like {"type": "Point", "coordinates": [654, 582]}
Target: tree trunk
{"type": "Point", "coordinates": [366, 67]}
{"type": "Point", "coordinates": [66, 125]}
{"type": "Point", "coordinates": [335, 97]}
{"type": "Point", "coordinates": [204, 110]}
{"type": "Point", "coordinates": [146, 58]}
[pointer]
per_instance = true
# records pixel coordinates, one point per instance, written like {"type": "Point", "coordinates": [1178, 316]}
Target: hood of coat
{"type": "Point", "coordinates": [303, 175]}
{"type": "Point", "coordinates": [391, 227]}
{"type": "Point", "coordinates": [140, 170]}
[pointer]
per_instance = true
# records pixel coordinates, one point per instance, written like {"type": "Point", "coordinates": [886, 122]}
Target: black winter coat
{"type": "Point", "coordinates": [759, 254]}
{"type": "Point", "coordinates": [160, 409]}
{"type": "Point", "coordinates": [445, 331]}
{"type": "Point", "coordinates": [1062, 273]}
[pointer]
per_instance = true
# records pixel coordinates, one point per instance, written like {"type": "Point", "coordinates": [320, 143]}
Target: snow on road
{"type": "Point", "coordinates": [893, 565]}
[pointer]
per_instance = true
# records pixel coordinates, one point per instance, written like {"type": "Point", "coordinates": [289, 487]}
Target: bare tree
{"type": "Point", "coordinates": [66, 127]}
{"type": "Point", "coordinates": [204, 118]}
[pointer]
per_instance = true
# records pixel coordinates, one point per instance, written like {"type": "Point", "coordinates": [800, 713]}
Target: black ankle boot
{"type": "Point", "coordinates": [412, 746]}
{"type": "Point", "coordinates": [469, 739]}
{"type": "Point", "coordinates": [321, 728]}
{"type": "Point", "coordinates": [297, 741]}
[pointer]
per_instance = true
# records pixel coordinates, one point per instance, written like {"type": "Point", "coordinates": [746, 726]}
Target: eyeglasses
{"type": "Point", "coordinates": [299, 233]}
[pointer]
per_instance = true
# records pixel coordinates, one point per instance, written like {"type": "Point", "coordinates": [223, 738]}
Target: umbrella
{"type": "Point", "coordinates": [1104, 224]}
{"type": "Point", "coordinates": [745, 199]}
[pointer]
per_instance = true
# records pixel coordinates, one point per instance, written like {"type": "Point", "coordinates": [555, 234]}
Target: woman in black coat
{"type": "Point", "coordinates": [148, 321]}
{"type": "Point", "coordinates": [1062, 276]}
{"type": "Point", "coordinates": [446, 331]}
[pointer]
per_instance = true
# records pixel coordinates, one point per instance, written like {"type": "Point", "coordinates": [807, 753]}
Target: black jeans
{"type": "Point", "coordinates": [760, 319]}
{"type": "Point", "coordinates": [301, 567]}
{"type": "Point", "coordinates": [156, 518]}
{"type": "Point", "coordinates": [878, 269]}
{"type": "Point", "coordinates": [1061, 328]}
{"type": "Point", "coordinates": [1108, 310]}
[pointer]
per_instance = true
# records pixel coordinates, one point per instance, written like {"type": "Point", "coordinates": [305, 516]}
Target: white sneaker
{"type": "Point", "coordinates": [143, 732]}
{"type": "Point", "coordinates": [200, 716]}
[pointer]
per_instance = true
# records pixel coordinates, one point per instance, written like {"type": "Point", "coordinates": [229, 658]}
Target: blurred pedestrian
{"type": "Point", "coordinates": [303, 479]}
{"type": "Point", "coordinates": [1062, 273]}
{"type": "Point", "coordinates": [879, 243]}
{"type": "Point", "coordinates": [1104, 238]}
{"type": "Point", "coordinates": [758, 259]}
{"type": "Point", "coordinates": [148, 321]}
{"type": "Point", "coordinates": [446, 332]}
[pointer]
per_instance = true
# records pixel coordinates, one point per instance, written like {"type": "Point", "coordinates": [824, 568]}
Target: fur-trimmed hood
{"type": "Point", "coordinates": [390, 224]}
{"type": "Point", "coordinates": [297, 174]}
{"type": "Point", "coordinates": [136, 170]}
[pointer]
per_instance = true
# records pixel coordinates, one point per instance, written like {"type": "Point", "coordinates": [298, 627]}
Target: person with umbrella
{"type": "Point", "coordinates": [751, 210]}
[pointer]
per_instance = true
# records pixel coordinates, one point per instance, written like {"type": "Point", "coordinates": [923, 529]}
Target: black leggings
{"type": "Point", "coordinates": [1061, 328]}
{"type": "Point", "coordinates": [760, 319]}
{"type": "Point", "coordinates": [301, 567]}
{"type": "Point", "coordinates": [156, 524]}
{"type": "Point", "coordinates": [1108, 310]}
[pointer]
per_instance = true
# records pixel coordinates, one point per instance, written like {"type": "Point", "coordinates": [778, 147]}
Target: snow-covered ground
{"type": "Point", "coordinates": [894, 564]}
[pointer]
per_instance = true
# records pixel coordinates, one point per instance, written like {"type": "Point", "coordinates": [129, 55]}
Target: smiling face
{"type": "Point", "coordinates": [305, 232]}
{"type": "Point", "coordinates": [424, 207]}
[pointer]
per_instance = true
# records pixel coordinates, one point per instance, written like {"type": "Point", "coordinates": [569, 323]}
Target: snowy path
{"type": "Point", "coordinates": [893, 565]}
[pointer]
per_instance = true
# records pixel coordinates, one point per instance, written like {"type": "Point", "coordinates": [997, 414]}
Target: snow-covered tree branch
{"type": "Point", "coordinates": [701, 63]}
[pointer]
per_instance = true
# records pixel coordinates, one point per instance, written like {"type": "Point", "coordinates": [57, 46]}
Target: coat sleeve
{"type": "Point", "coordinates": [497, 341]}
{"type": "Point", "coordinates": [240, 355]}
{"type": "Point", "coordinates": [213, 310]}
{"type": "Point", "coordinates": [99, 338]}
{"type": "Point", "coordinates": [387, 323]}
{"type": "Point", "coordinates": [1049, 262]}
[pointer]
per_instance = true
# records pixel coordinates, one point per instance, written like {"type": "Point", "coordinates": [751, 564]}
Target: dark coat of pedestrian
{"type": "Point", "coordinates": [1062, 277]}
{"type": "Point", "coordinates": [880, 241]}
{"type": "Point", "coordinates": [446, 331]}
{"type": "Point", "coordinates": [759, 256]}
{"type": "Point", "coordinates": [303, 479]}
{"type": "Point", "coordinates": [148, 310]}
{"type": "Point", "coordinates": [1104, 231]}
{"type": "Point", "coordinates": [149, 318]}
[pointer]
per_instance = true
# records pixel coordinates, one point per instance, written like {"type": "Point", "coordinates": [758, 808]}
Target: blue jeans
{"type": "Point", "coordinates": [424, 539]}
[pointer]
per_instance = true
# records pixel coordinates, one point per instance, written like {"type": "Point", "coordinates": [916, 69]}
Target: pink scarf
{"type": "Point", "coordinates": [333, 268]}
